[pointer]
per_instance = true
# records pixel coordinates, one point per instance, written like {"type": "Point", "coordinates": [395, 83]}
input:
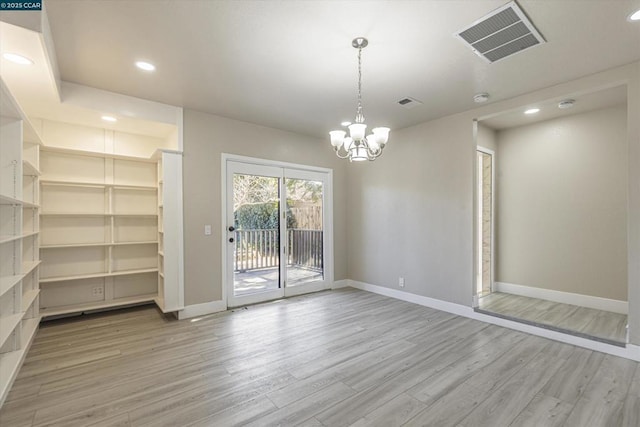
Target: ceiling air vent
{"type": "Point", "coordinates": [502, 33]}
{"type": "Point", "coordinates": [409, 103]}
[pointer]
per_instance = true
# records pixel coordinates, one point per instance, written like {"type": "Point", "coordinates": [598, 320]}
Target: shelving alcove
{"type": "Point", "coordinates": [105, 228]}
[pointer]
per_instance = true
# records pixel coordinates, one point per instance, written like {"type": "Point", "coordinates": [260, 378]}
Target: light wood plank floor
{"type": "Point", "coordinates": [335, 358]}
{"type": "Point", "coordinates": [580, 321]}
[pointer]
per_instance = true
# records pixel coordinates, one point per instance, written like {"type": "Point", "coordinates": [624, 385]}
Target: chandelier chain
{"type": "Point", "coordinates": [359, 114]}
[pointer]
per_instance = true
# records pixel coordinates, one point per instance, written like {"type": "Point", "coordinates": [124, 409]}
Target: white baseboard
{"type": "Point", "coordinates": [614, 306]}
{"type": "Point", "coordinates": [449, 307]}
{"type": "Point", "coordinates": [203, 309]}
{"type": "Point", "coordinates": [631, 351]}
{"type": "Point", "coordinates": [340, 284]}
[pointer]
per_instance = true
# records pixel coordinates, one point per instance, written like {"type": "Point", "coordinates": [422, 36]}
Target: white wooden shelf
{"type": "Point", "coordinates": [6, 239]}
{"type": "Point", "coordinates": [8, 325]}
{"type": "Point", "coordinates": [89, 245]}
{"type": "Point", "coordinates": [29, 328]}
{"type": "Point", "coordinates": [96, 154]}
{"type": "Point", "coordinates": [92, 214]}
{"type": "Point", "coordinates": [97, 275]}
{"type": "Point", "coordinates": [12, 201]}
{"type": "Point", "coordinates": [28, 266]}
{"type": "Point", "coordinates": [97, 185]}
{"type": "Point", "coordinates": [9, 282]}
{"type": "Point", "coordinates": [78, 308]}
{"type": "Point", "coordinates": [29, 169]}
{"type": "Point", "coordinates": [8, 200]}
{"type": "Point", "coordinates": [28, 298]}
{"type": "Point", "coordinates": [9, 365]}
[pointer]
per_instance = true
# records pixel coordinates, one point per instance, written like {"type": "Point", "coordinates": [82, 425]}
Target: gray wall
{"type": "Point", "coordinates": [411, 212]}
{"type": "Point", "coordinates": [206, 137]}
{"type": "Point", "coordinates": [562, 211]}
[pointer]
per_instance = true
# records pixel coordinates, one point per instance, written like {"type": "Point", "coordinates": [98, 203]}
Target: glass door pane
{"type": "Point", "coordinates": [305, 231]}
{"type": "Point", "coordinates": [256, 245]}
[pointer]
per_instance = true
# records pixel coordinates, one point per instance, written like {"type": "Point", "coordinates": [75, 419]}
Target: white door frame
{"type": "Point", "coordinates": [294, 170]}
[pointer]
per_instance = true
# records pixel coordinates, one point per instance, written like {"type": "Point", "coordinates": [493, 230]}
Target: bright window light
{"type": "Point", "coordinates": [532, 111]}
{"type": "Point", "coordinates": [18, 59]}
{"type": "Point", "coordinates": [146, 66]}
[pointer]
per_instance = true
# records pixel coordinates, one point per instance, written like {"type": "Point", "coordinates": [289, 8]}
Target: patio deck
{"type": "Point", "coordinates": [253, 281]}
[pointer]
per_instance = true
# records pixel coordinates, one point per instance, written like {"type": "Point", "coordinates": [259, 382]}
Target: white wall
{"type": "Point", "coordinates": [101, 140]}
{"type": "Point", "coordinates": [562, 211]}
{"type": "Point", "coordinates": [487, 138]}
{"type": "Point", "coordinates": [206, 137]}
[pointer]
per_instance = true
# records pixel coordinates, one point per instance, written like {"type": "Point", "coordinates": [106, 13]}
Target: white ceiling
{"type": "Point", "coordinates": [290, 64]}
{"type": "Point", "coordinates": [549, 108]}
{"type": "Point", "coordinates": [35, 89]}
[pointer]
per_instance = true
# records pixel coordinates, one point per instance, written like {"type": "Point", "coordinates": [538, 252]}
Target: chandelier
{"type": "Point", "coordinates": [356, 147]}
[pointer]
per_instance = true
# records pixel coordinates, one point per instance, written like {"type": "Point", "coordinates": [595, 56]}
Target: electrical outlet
{"type": "Point", "coordinates": [401, 282]}
{"type": "Point", "coordinates": [207, 230]}
{"type": "Point", "coordinates": [98, 291]}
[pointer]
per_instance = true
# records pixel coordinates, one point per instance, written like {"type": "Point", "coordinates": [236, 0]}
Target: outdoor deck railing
{"type": "Point", "coordinates": [258, 249]}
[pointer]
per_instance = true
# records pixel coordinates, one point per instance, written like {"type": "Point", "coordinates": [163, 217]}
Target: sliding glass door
{"type": "Point", "coordinates": [275, 232]}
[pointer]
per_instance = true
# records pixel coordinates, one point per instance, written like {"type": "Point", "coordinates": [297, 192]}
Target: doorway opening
{"type": "Point", "coordinates": [551, 223]}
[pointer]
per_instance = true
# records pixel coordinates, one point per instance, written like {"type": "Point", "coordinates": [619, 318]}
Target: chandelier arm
{"type": "Point", "coordinates": [346, 156]}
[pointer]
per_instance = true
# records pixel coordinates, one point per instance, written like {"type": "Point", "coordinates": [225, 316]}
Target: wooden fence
{"type": "Point", "coordinates": [258, 249]}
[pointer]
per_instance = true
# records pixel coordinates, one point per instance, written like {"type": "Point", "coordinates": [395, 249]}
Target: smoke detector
{"type": "Point", "coordinates": [567, 103]}
{"type": "Point", "coordinates": [480, 98]}
{"type": "Point", "coordinates": [500, 34]}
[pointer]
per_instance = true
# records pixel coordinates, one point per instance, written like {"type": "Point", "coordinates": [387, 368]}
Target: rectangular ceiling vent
{"type": "Point", "coordinates": [502, 33]}
{"type": "Point", "coordinates": [409, 103]}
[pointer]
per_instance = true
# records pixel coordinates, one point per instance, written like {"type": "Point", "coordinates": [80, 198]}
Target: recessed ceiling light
{"type": "Point", "coordinates": [635, 16]}
{"type": "Point", "coordinates": [346, 123]}
{"type": "Point", "coordinates": [481, 97]}
{"type": "Point", "coordinates": [532, 111]}
{"type": "Point", "coordinates": [109, 119]}
{"type": "Point", "coordinates": [18, 59]}
{"type": "Point", "coordinates": [146, 66]}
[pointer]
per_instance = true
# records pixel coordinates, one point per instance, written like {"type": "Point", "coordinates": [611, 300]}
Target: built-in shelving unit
{"type": "Point", "coordinates": [99, 231]}
{"type": "Point", "coordinates": [170, 254]}
{"type": "Point", "coordinates": [19, 237]}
